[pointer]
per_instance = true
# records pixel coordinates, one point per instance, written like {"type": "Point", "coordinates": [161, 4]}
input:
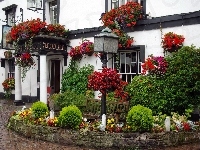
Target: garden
{"type": "Point", "coordinates": [159, 108]}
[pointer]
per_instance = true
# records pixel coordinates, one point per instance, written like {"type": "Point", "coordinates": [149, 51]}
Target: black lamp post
{"type": "Point", "coordinates": [105, 42]}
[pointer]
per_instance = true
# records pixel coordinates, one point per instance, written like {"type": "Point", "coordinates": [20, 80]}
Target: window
{"type": "Point", "coordinates": [11, 66]}
{"type": "Point", "coordinates": [111, 4]}
{"type": "Point", "coordinates": [53, 12]}
{"type": "Point", "coordinates": [10, 14]}
{"type": "Point", "coordinates": [128, 63]}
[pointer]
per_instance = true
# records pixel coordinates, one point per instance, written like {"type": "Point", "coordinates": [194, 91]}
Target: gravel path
{"type": "Point", "coordinates": [12, 141]}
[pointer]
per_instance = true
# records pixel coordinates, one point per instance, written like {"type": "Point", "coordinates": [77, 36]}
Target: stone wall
{"type": "Point", "coordinates": [104, 140]}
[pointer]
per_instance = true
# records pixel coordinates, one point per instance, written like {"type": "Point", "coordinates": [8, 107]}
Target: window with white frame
{"type": "Point", "coordinates": [11, 68]}
{"type": "Point", "coordinates": [117, 3]}
{"type": "Point", "coordinates": [11, 18]}
{"type": "Point", "coordinates": [10, 14]}
{"type": "Point", "coordinates": [128, 64]}
{"type": "Point", "coordinates": [111, 4]}
{"type": "Point", "coordinates": [53, 11]}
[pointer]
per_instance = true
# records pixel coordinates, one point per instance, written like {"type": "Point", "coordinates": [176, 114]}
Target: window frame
{"type": "Point", "coordinates": [8, 11]}
{"type": "Point", "coordinates": [108, 4]}
{"type": "Point", "coordinates": [11, 68]}
{"type": "Point", "coordinates": [47, 11]}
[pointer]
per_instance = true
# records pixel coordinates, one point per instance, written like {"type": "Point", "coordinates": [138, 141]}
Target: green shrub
{"type": "Point", "coordinates": [39, 109]}
{"type": "Point", "coordinates": [70, 98]}
{"type": "Point", "coordinates": [177, 91]}
{"type": "Point", "coordinates": [182, 79]}
{"type": "Point", "coordinates": [147, 91]}
{"type": "Point", "coordinates": [140, 118]}
{"type": "Point", "coordinates": [76, 79]}
{"type": "Point", "coordinates": [70, 117]}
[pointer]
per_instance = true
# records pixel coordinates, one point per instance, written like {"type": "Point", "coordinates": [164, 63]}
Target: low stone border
{"type": "Point", "coordinates": [104, 140]}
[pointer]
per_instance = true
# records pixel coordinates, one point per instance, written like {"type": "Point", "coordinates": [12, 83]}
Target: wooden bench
{"type": "Point", "coordinates": [117, 110]}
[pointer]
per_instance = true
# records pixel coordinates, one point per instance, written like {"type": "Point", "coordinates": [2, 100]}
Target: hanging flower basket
{"type": "Point", "coordinates": [87, 47]}
{"type": "Point", "coordinates": [76, 53]}
{"type": "Point", "coordinates": [154, 66]}
{"type": "Point", "coordinates": [172, 42]}
{"type": "Point", "coordinates": [25, 61]}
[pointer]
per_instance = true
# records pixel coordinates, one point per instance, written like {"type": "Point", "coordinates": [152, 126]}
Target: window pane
{"type": "Point", "coordinates": [134, 68]}
{"type": "Point", "coordinates": [115, 4]}
{"type": "Point", "coordinates": [134, 55]}
{"type": "Point", "coordinates": [53, 12]}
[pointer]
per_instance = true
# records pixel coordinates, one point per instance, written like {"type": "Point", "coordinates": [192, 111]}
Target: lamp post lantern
{"type": "Point", "coordinates": [104, 43]}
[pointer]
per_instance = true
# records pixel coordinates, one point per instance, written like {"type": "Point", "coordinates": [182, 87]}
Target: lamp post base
{"type": "Point", "coordinates": [18, 103]}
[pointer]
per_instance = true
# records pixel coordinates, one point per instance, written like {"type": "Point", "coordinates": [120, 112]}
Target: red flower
{"type": "Point", "coordinates": [172, 41]}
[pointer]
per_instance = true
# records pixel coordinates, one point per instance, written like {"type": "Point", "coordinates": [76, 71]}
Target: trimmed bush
{"type": "Point", "coordinates": [70, 117]}
{"type": "Point", "coordinates": [140, 118]}
{"type": "Point", "coordinates": [70, 98]}
{"type": "Point", "coordinates": [39, 109]}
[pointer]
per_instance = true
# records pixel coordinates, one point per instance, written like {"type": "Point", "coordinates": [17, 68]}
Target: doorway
{"type": "Point", "coordinates": [55, 76]}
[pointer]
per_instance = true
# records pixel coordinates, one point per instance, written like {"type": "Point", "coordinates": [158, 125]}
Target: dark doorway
{"type": "Point", "coordinates": [55, 76]}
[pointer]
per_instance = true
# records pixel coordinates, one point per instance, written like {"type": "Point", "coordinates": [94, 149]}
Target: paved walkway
{"type": "Point", "coordinates": [12, 141]}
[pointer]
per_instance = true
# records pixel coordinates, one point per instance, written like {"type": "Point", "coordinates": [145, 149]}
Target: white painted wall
{"type": "Point", "coordinates": [78, 14]}
{"type": "Point", "coordinates": [159, 8]}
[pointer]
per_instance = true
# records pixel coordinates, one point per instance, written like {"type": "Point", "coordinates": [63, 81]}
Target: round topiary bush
{"type": "Point", "coordinates": [70, 117]}
{"type": "Point", "coordinates": [39, 109]}
{"type": "Point", "coordinates": [140, 118]}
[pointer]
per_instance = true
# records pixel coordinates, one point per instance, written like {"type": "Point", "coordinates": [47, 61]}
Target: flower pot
{"type": "Point", "coordinates": [41, 33]}
{"type": "Point", "coordinates": [174, 49]}
{"type": "Point", "coordinates": [90, 53]}
{"type": "Point", "coordinates": [77, 57]}
{"type": "Point", "coordinates": [51, 34]}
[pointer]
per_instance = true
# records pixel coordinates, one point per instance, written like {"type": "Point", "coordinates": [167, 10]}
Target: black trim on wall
{"type": "Point", "coordinates": [8, 8]}
{"type": "Point", "coordinates": [148, 24]}
{"type": "Point", "coordinates": [58, 10]}
{"type": "Point", "coordinates": [106, 5]}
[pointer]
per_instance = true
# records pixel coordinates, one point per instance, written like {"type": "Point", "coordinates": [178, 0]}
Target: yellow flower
{"type": "Point", "coordinates": [112, 125]}
{"type": "Point", "coordinates": [112, 120]}
{"type": "Point", "coordinates": [40, 119]}
{"type": "Point", "coordinates": [109, 121]}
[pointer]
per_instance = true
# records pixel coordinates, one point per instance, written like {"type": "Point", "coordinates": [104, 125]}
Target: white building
{"type": "Point", "coordinates": [82, 19]}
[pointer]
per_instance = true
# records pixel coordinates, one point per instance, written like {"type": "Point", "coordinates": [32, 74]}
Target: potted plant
{"type": "Point", "coordinates": [87, 47]}
{"type": "Point", "coordinates": [107, 81]}
{"type": "Point", "coordinates": [8, 86]}
{"type": "Point", "coordinates": [76, 53]}
{"type": "Point", "coordinates": [8, 54]}
{"type": "Point", "coordinates": [171, 42]}
{"type": "Point", "coordinates": [25, 61]}
{"type": "Point", "coordinates": [154, 66]}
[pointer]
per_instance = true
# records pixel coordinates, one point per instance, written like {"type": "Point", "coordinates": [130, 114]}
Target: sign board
{"type": "Point", "coordinates": [5, 31]}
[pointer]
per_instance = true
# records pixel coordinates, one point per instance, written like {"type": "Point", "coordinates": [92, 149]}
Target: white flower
{"type": "Point", "coordinates": [85, 119]}
{"type": "Point", "coordinates": [24, 107]}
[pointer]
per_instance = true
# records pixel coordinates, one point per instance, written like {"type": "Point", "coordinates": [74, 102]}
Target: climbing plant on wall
{"type": "Point", "coordinates": [120, 18]}
{"type": "Point", "coordinates": [75, 78]}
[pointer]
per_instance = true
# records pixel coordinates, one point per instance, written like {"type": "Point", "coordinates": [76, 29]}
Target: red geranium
{"type": "Point", "coordinates": [107, 80]}
{"type": "Point", "coordinates": [76, 53]}
{"type": "Point", "coordinates": [154, 65]}
{"type": "Point", "coordinates": [172, 42]}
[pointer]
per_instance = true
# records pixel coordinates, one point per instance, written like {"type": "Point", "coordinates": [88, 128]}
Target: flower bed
{"type": "Point", "coordinates": [104, 140]}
